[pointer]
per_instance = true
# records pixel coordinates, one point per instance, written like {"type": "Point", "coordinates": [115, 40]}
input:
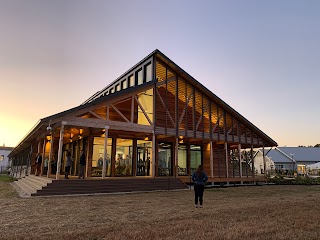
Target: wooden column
{"type": "Point", "coordinates": [211, 158]}
{"type": "Point", "coordinates": [240, 163]}
{"type": "Point", "coordinates": [176, 170]}
{"type": "Point", "coordinates": [60, 151]}
{"type": "Point", "coordinates": [43, 154]}
{"type": "Point", "coordinates": [89, 155]}
{"type": "Point", "coordinates": [252, 161]}
{"type": "Point", "coordinates": [264, 162]}
{"type": "Point", "coordinates": [153, 173]}
{"type": "Point", "coordinates": [227, 165]}
{"type": "Point", "coordinates": [105, 152]}
{"type": "Point", "coordinates": [50, 154]}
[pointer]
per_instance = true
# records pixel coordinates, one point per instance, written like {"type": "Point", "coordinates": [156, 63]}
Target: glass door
{"type": "Point", "coordinates": [144, 156]}
{"type": "Point", "coordinates": [165, 159]}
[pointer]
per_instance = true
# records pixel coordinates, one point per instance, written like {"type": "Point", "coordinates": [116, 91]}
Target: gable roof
{"type": "Point", "coordinates": [302, 153]}
{"type": "Point", "coordinates": [105, 95]}
{"type": "Point", "coordinates": [159, 55]}
{"type": "Point", "coordinates": [294, 154]}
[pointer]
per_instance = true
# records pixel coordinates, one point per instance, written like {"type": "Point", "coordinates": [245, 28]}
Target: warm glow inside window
{"type": "Point", "coordinates": [139, 77]}
{"type": "Point", "coordinates": [98, 154]}
{"type": "Point", "coordinates": [146, 101]}
{"type": "Point", "coordinates": [131, 81]}
{"type": "Point", "coordinates": [144, 158]}
{"type": "Point", "coordinates": [195, 157]}
{"type": "Point", "coordinates": [182, 160]}
{"type": "Point", "coordinates": [148, 72]}
{"type": "Point", "coordinates": [123, 158]}
{"type": "Point", "coordinates": [124, 84]}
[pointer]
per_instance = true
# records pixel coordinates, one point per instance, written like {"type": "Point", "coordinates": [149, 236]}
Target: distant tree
{"type": "Point", "coordinates": [301, 146]}
{"type": "Point", "coordinates": [317, 145]}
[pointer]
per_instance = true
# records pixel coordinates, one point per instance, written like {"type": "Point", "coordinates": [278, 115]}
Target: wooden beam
{"type": "Point", "coordinates": [232, 129]}
{"type": "Point", "coordinates": [142, 109]}
{"type": "Point", "coordinates": [165, 107]}
{"type": "Point", "coordinates": [96, 115]}
{"type": "Point", "coordinates": [217, 123]}
{"type": "Point", "coordinates": [116, 109]}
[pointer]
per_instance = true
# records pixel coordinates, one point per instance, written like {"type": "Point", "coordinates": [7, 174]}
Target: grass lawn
{"type": "Point", "coordinates": [260, 212]}
{"type": "Point", "coordinates": [5, 178]}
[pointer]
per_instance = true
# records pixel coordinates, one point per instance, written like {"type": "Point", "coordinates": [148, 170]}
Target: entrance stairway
{"type": "Point", "coordinates": [30, 184]}
{"type": "Point", "coordinates": [111, 185]}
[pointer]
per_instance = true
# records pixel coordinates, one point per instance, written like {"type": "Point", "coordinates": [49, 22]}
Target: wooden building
{"type": "Point", "coordinates": [155, 120]}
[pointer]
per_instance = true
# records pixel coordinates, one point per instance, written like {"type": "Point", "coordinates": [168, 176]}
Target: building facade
{"type": "Point", "coordinates": [4, 160]}
{"type": "Point", "coordinates": [155, 120]}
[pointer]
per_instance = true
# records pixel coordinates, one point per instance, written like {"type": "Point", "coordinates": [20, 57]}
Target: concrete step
{"type": "Point", "coordinates": [40, 179]}
{"type": "Point", "coordinates": [87, 186]}
{"type": "Point", "coordinates": [37, 182]}
{"type": "Point", "coordinates": [25, 186]}
{"type": "Point", "coordinates": [21, 190]}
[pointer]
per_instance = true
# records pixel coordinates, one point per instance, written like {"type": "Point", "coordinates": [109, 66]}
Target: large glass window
{"type": "Point", "coordinates": [164, 159]}
{"type": "Point", "coordinates": [182, 160]}
{"type": "Point", "coordinates": [144, 158]}
{"type": "Point", "coordinates": [139, 77]}
{"type": "Point", "coordinates": [131, 80]}
{"type": "Point", "coordinates": [123, 161]}
{"type": "Point", "coordinates": [124, 84]}
{"type": "Point", "coordinates": [146, 101]}
{"type": "Point", "coordinates": [148, 72]}
{"type": "Point", "coordinates": [97, 156]}
{"type": "Point", "coordinates": [195, 157]}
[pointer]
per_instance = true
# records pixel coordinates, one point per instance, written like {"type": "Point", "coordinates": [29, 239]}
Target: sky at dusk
{"type": "Point", "coordinates": [261, 57]}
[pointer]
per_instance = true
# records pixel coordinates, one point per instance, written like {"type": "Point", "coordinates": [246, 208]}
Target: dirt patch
{"type": "Point", "coordinates": [263, 212]}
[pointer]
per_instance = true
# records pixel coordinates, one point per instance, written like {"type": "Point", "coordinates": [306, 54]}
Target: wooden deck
{"type": "Point", "coordinates": [187, 179]}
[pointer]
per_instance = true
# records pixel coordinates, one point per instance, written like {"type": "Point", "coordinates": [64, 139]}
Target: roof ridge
{"type": "Point", "coordinates": [286, 155]}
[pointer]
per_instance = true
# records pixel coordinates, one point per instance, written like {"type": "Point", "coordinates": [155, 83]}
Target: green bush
{"type": "Point", "coordinates": [299, 180]}
{"type": "Point", "coordinates": [278, 179]}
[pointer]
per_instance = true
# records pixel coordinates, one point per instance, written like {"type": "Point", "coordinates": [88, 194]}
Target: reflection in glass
{"type": "Point", "coordinates": [139, 77]}
{"type": "Point", "coordinates": [164, 159]}
{"type": "Point", "coordinates": [146, 101]}
{"type": "Point", "coordinates": [123, 161]}
{"type": "Point", "coordinates": [144, 156]}
{"type": "Point", "coordinates": [148, 72]}
{"type": "Point", "coordinates": [97, 156]}
{"type": "Point", "coordinates": [131, 81]}
{"type": "Point", "coordinates": [182, 160]}
{"type": "Point", "coordinates": [195, 157]}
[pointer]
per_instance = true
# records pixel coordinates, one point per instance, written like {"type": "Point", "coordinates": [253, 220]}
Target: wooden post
{"type": "Point", "coordinates": [264, 162]}
{"type": "Point", "coordinates": [252, 161]}
{"type": "Point", "coordinates": [43, 154]}
{"type": "Point", "coordinates": [227, 167]}
{"type": "Point", "coordinates": [60, 150]}
{"type": "Point", "coordinates": [211, 158]}
{"type": "Point", "coordinates": [240, 162]}
{"type": "Point", "coordinates": [176, 158]}
{"type": "Point", "coordinates": [153, 173]}
{"type": "Point", "coordinates": [50, 154]}
{"type": "Point", "coordinates": [105, 152]}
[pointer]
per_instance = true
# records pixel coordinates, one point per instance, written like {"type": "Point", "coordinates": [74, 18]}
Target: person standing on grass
{"type": "Point", "coordinates": [199, 178]}
{"type": "Point", "coordinates": [82, 164]}
{"type": "Point", "coordinates": [68, 165]}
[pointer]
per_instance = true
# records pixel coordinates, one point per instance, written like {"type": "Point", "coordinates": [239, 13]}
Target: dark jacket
{"type": "Point", "coordinates": [199, 180]}
{"type": "Point", "coordinates": [82, 160]}
{"type": "Point", "coordinates": [39, 159]}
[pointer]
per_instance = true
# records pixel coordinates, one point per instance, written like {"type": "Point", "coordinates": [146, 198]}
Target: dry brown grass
{"type": "Point", "coordinates": [265, 212]}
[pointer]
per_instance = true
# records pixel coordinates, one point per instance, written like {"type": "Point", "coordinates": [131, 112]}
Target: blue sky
{"type": "Point", "coordinates": [260, 57]}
